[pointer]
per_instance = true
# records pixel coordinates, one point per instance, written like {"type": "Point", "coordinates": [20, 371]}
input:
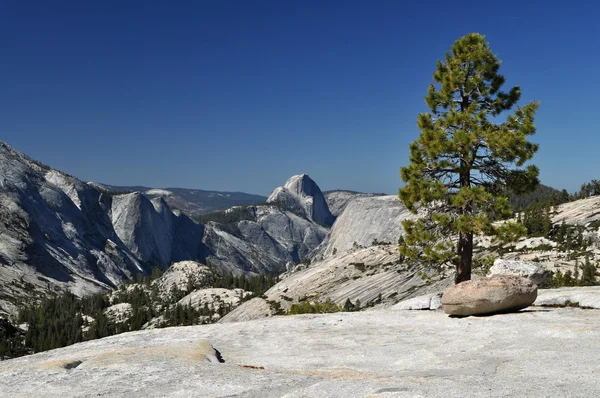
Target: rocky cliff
{"type": "Point", "coordinates": [358, 260]}
{"type": "Point", "coordinates": [301, 194]}
{"type": "Point", "coordinates": [55, 233]}
{"type": "Point", "coordinates": [337, 200]}
{"type": "Point", "coordinates": [364, 222]}
{"type": "Point", "coordinates": [58, 233]}
{"type": "Point", "coordinates": [268, 239]}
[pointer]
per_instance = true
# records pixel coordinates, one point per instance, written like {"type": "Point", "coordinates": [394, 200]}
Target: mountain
{"type": "Point", "coordinates": [366, 221]}
{"type": "Point", "coordinates": [272, 237]}
{"type": "Point", "coordinates": [337, 200]}
{"type": "Point", "coordinates": [358, 260]}
{"type": "Point", "coordinates": [60, 234]}
{"type": "Point", "coordinates": [301, 194]}
{"type": "Point", "coordinates": [191, 201]}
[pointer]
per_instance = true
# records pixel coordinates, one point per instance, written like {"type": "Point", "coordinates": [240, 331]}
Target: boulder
{"type": "Point", "coordinates": [499, 293]}
{"type": "Point", "coordinates": [536, 272]}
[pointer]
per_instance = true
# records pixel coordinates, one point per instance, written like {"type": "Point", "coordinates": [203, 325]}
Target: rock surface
{"type": "Point", "coordinates": [119, 313]}
{"type": "Point", "coordinates": [426, 302]}
{"type": "Point", "coordinates": [365, 221]}
{"type": "Point", "coordinates": [536, 272]}
{"type": "Point", "coordinates": [267, 240]}
{"type": "Point", "coordinates": [302, 194]}
{"type": "Point", "coordinates": [337, 200]}
{"type": "Point", "coordinates": [183, 276]}
{"type": "Point", "coordinates": [499, 293]}
{"type": "Point", "coordinates": [583, 297]}
{"type": "Point", "coordinates": [552, 352]}
{"type": "Point", "coordinates": [580, 212]}
{"type": "Point", "coordinates": [214, 298]}
{"type": "Point", "coordinates": [365, 275]}
{"type": "Point", "coordinates": [347, 266]}
{"type": "Point", "coordinates": [56, 234]}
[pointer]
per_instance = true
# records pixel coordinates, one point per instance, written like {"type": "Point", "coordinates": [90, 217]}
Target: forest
{"type": "Point", "coordinates": [66, 319]}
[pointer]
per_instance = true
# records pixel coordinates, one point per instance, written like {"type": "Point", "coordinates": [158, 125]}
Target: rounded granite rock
{"type": "Point", "coordinates": [499, 293]}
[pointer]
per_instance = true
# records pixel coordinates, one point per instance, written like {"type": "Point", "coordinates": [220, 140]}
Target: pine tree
{"type": "Point", "coordinates": [588, 273]}
{"type": "Point", "coordinates": [462, 163]}
{"type": "Point", "coordinates": [348, 306]}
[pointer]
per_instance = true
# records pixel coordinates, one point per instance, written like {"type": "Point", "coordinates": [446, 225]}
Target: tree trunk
{"type": "Point", "coordinates": [465, 239]}
{"type": "Point", "coordinates": [465, 252]}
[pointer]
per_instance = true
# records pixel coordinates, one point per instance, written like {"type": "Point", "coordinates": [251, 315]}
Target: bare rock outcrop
{"type": "Point", "coordinates": [582, 297]}
{"type": "Point", "coordinates": [364, 222]}
{"type": "Point", "coordinates": [337, 200]}
{"type": "Point", "coordinates": [300, 193]}
{"type": "Point", "coordinates": [264, 242]}
{"type": "Point", "coordinates": [377, 353]}
{"type": "Point", "coordinates": [183, 276]}
{"type": "Point", "coordinates": [432, 301]}
{"type": "Point", "coordinates": [536, 272]}
{"type": "Point", "coordinates": [374, 276]}
{"type": "Point", "coordinates": [60, 234]}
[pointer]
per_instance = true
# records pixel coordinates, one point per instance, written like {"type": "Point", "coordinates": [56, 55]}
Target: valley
{"type": "Point", "coordinates": [123, 261]}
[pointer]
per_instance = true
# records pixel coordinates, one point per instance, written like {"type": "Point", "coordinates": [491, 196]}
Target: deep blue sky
{"type": "Point", "coordinates": [239, 95]}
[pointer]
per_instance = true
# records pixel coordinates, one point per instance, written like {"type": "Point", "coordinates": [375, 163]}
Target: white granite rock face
{"type": "Point", "coordinates": [365, 221]}
{"type": "Point", "coordinates": [580, 212]}
{"type": "Point", "coordinates": [183, 275]}
{"type": "Point", "coordinates": [364, 275]}
{"type": "Point", "coordinates": [56, 233]}
{"type": "Point", "coordinates": [118, 313]}
{"type": "Point", "coordinates": [337, 200]}
{"type": "Point", "coordinates": [426, 302]}
{"type": "Point", "coordinates": [536, 272]}
{"type": "Point", "coordinates": [583, 297]}
{"type": "Point", "coordinates": [552, 352]}
{"type": "Point", "coordinates": [269, 240]}
{"type": "Point", "coordinates": [301, 193]}
{"type": "Point", "coordinates": [214, 298]}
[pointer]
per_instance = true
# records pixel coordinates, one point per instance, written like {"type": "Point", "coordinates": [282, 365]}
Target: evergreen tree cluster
{"type": "Point", "coordinates": [569, 237]}
{"type": "Point", "coordinates": [11, 340]}
{"type": "Point", "coordinates": [536, 218]}
{"type": "Point", "coordinates": [187, 315]}
{"type": "Point", "coordinates": [228, 219]}
{"type": "Point", "coordinates": [316, 307]}
{"type": "Point", "coordinates": [65, 319]}
{"type": "Point", "coordinates": [583, 275]}
{"type": "Point", "coordinates": [257, 284]}
{"type": "Point", "coordinates": [591, 188]}
{"type": "Point", "coordinates": [58, 321]}
{"type": "Point", "coordinates": [541, 194]}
